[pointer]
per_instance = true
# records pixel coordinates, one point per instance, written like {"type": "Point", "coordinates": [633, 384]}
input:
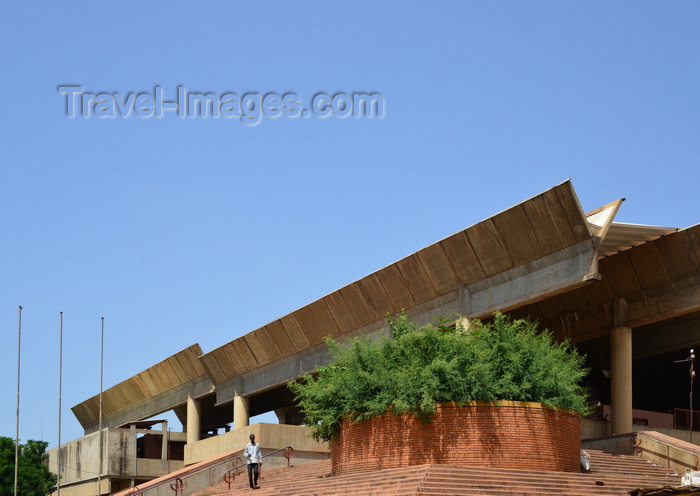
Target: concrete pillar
{"type": "Point", "coordinates": [241, 411]}
{"type": "Point", "coordinates": [194, 420]}
{"type": "Point", "coordinates": [289, 415]}
{"type": "Point", "coordinates": [463, 323]}
{"type": "Point", "coordinates": [135, 454]}
{"type": "Point", "coordinates": [166, 440]}
{"type": "Point", "coordinates": [621, 380]}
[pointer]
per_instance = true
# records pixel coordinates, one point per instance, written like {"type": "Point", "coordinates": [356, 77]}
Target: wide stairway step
{"type": "Point", "coordinates": [610, 475]}
{"type": "Point", "coordinates": [602, 462]}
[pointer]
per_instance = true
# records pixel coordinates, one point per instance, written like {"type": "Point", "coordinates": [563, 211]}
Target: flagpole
{"type": "Point", "coordinates": [102, 352]}
{"type": "Point", "coordinates": [690, 359]}
{"type": "Point", "coordinates": [692, 376]}
{"type": "Point", "coordinates": [60, 385]}
{"type": "Point", "coordinates": [19, 344]}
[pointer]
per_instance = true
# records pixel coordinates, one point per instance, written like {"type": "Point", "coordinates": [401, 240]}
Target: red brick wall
{"type": "Point", "coordinates": [507, 434]}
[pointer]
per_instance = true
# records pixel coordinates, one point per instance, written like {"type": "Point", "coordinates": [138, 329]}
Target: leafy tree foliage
{"type": "Point", "coordinates": [501, 360]}
{"type": "Point", "coordinates": [33, 476]}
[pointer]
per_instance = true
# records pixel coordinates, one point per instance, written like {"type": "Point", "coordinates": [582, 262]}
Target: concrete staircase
{"type": "Point", "coordinates": [610, 475]}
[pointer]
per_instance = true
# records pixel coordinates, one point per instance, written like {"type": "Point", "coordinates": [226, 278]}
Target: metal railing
{"type": "Point", "coordinates": [230, 475]}
{"type": "Point", "coordinates": [176, 486]}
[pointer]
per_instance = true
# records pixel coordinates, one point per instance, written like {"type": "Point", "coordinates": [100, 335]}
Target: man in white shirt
{"type": "Point", "coordinates": [252, 453]}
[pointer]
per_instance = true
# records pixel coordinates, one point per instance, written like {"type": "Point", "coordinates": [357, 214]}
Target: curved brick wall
{"type": "Point", "coordinates": [506, 434]}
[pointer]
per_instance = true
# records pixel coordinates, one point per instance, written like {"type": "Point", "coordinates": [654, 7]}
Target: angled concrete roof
{"type": "Point", "coordinates": [505, 247]}
{"type": "Point", "coordinates": [543, 258]}
{"type": "Point", "coordinates": [160, 387]}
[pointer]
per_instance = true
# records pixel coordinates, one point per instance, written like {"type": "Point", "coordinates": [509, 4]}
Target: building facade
{"type": "Point", "coordinates": [628, 296]}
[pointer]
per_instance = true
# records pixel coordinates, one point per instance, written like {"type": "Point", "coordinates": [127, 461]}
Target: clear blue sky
{"type": "Point", "coordinates": [184, 230]}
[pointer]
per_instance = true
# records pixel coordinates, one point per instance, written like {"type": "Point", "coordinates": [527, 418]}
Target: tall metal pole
{"type": "Point", "coordinates": [60, 386]}
{"type": "Point", "coordinates": [102, 353]}
{"type": "Point", "coordinates": [19, 344]}
{"type": "Point", "coordinates": [692, 376]}
{"type": "Point", "coordinates": [690, 359]}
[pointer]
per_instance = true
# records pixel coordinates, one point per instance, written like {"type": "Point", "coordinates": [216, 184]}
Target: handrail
{"type": "Point", "coordinates": [264, 456]}
{"type": "Point", "coordinates": [676, 454]}
{"type": "Point", "coordinates": [175, 476]}
{"type": "Point", "coordinates": [671, 441]}
{"type": "Point", "coordinates": [232, 456]}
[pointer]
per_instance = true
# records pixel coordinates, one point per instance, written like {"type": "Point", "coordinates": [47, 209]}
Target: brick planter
{"type": "Point", "coordinates": [506, 434]}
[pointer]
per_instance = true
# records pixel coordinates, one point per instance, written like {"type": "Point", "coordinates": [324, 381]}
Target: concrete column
{"type": "Point", "coordinates": [241, 411]}
{"type": "Point", "coordinates": [166, 440]}
{"type": "Point", "coordinates": [194, 420]}
{"type": "Point", "coordinates": [135, 454]}
{"type": "Point", "coordinates": [621, 380]}
{"type": "Point", "coordinates": [462, 322]}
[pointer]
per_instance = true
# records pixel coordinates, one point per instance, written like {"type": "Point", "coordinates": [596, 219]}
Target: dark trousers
{"type": "Point", "coordinates": [253, 474]}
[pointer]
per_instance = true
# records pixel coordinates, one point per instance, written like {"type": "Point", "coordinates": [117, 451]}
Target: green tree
{"type": "Point", "coordinates": [418, 367]}
{"type": "Point", "coordinates": [34, 477]}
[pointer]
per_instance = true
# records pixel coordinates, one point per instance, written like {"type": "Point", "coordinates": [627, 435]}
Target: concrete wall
{"type": "Point", "coordinates": [80, 461]}
{"type": "Point", "coordinates": [86, 488]}
{"type": "Point", "coordinates": [653, 420]}
{"type": "Point", "coordinates": [666, 451]}
{"type": "Point", "coordinates": [594, 429]}
{"type": "Point", "coordinates": [662, 449]}
{"type": "Point", "coordinates": [270, 437]}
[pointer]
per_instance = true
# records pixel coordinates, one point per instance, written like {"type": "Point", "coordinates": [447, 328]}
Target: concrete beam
{"type": "Point", "coordinates": [676, 299]}
{"type": "Point", "coordinates": [541, 278]}
{"type": "Point", "coordinates": [662, 303]}
{"type": "Point", "coordinates": [305, 362]}
{"type": "Point", "coordinates": [675, 335]}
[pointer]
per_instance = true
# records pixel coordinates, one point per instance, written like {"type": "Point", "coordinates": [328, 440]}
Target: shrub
{"type": "Point", "coordinates": [419, 367]}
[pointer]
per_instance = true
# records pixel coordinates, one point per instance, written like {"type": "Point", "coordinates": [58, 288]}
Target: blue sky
{"type": "Point", "coordinates": [183, 230]}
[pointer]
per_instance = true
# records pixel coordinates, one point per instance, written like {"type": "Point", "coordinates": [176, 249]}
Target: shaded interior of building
{"type": "Point", "coordinates": [661, 375]}
{"type": "Point", "coordinates": [218, 419]}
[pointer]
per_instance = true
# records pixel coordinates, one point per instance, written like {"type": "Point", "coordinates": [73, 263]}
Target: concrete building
{"type": "Point", "coordinates": [627, 295]}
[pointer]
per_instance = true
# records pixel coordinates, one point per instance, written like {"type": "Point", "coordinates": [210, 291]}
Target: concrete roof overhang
{"type": "Point", "coordinates": [579, 274]}
{"type": "Point", "coordinates": [651, 282]}
{"type": "Point", "coordinates": [540, 247]}
{"type": "Point", "coordinates": [158, 389]}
